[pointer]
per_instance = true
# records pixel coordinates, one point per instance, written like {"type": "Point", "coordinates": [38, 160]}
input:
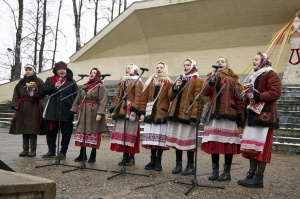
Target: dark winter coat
{"type": "Point", "coordinates": [53, 106]}
{"type": "Point", "coordinates": [268, 86]}
{"type": "Point", "coordinates": [28, 117]}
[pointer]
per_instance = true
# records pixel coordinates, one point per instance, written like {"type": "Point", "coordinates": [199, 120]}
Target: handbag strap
{"type": "Point", "coordinates": [158, 93]}
{"type": "Point", "coordinates": [177, 96]}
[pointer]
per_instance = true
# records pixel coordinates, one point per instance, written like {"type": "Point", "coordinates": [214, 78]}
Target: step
{"type": "Point", "coordinates": [288, 113]}
{"type": "Point", "coordinates": [287, 132]}
{"type": "Point", "coordinates": [286, 140]}
{"type": "Point", "coordinates": [293, 99]}
{"type": "Point", "coordinates": [290, 93]}
{"type": "Point", "coordinates": [283, 106]}
{"type": "Point", "coordinates": [289, 119]}
{"type": "Point", "coordinates": [286, 148]}
{"type": "Point", "coordinates": [289, 125]}
{"type": "Point", "coordinates": [6, 115]}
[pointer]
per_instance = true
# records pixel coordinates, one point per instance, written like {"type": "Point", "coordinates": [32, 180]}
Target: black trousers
{"type": "Point", "coordinates": [29, 137]}
{"type": "Point", "coordinates": [66, 129]}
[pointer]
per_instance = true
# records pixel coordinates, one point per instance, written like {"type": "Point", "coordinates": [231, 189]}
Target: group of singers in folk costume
{"type": "Point", "coordinates": [168, 110]}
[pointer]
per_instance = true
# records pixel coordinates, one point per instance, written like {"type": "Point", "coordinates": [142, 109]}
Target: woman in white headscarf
{"type": "Point", "coordinates": [132, 137]}
{"type": "Point", "coordinates": [181, 132]}
{"type": "Point", "coordinates": [155, 94]}
{"type": "Point", "coordinates": [260, 125]}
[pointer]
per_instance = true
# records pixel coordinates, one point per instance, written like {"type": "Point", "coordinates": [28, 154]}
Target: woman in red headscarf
{"type": "Point", "coordinates": [95, 122]}
{"type": "Point", "coordinates": [223, 117]}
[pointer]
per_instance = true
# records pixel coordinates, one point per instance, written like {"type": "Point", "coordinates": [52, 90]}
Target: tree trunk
{"type": "Point", "coordinates": [56, 33]}
{"type": "Point", "coordinates": [77, 16]}
{"type": "Point", "coordinates": [96, 17]}
{"type": "Point", "coordinates": [125, 5]}
{"type": "Point", "coordinates": [16, 68]}
{"type": "Point", "coordinates": [36, 38]}
{"type": "Point", "coordinates": [120, 5]}
{"type": "Point", "coordinates": [43, 37]}
{"type": "Point", "coordinates": [112, 10]}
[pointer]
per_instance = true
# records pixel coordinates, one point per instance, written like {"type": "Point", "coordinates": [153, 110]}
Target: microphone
{"type": "Point", "coordinates": [144, 69]}
{"type": "Point", "coordinates": [181, 76]}
{"type": "Point", "coordinates": [83, 75]}
{"type": "Point", "coordinates": [217, 66]}
{"type": "Point", "coordinates": [104, 75]}
{"type": "Point", "coordinates": [59, 79]}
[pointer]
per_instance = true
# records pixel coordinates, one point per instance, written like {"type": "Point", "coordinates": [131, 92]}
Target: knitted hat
{"type": "Point", "coordinates": [60, 64]}
{"type": "Point", "coordinates": [30, 66]}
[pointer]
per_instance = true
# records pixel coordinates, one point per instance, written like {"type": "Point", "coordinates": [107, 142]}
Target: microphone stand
{"type": "Point", "coordinates": [57, 160]}
{"type": "Point", "coordinates": [194, 183]}
{"type": "Point", "coordinates": [83, 166]}
{"type": "Point", "coordinates": [124, 98]}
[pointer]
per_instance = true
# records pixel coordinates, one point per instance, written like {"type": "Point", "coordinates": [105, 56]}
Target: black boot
{"type": "Point", "coordinates": [25, 151]}
{"type": "Point", "coordinates": [178, 168]}
{"type": "Point", "coordinates": [249, 176]}
{"type": "Point", "coordinates": [32, 152]}
{"type": "Point", "coordinates": [225, 176]}
{"type": "Point", "coordinates": [151, 164]}
{"type": "Point", "coordinates": [130, 161]}
{"type": "Point", "coordinates": [80, 157]}
{"type": "Point", "coordinates": [92, 158]}
{"type": "Point", "coordinates": [124, 159]}
{"type": "Point", "coordinates": [256, 182]}
{"type": "Point", "coordinates": [190, 168]}
{"type": "Point", "coordinates": [215, 174]}
{"type": "Point", "coordinates": [158, 166]}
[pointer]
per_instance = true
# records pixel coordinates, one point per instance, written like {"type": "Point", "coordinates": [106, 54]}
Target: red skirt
{"type": "Point", "coordinates": [128, 149]}
{"type": "Point", "coordinates": [265, 155]}
{"type": "Point", "coordinates": [220, 148]}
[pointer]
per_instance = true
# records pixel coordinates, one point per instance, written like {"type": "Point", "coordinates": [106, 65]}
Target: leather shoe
{"type": "Point", "coordinates": [49, 155]}
{"type": "Point", "coordinates": [61, 156]}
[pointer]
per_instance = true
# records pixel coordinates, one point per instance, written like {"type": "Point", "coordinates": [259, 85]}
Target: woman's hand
{"type": "Point", "coordinates": [98, 118]}
{"type": "Point", "coordinates": [142, 118]}
{"type": "Point", "coordinates": [178, 82]}
{"type": "Point", "coordinates": [31, 93]}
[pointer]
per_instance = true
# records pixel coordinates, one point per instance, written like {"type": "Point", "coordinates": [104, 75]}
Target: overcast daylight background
{"type": "Point", "coordinates": [67, 41]}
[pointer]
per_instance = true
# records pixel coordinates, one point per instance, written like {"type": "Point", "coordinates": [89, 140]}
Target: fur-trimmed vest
{"type": "Point", "coordinates": [228, 104]}
{"type": "Point", "coordinates": [183, 98]}
{"type": "Point", "coordinates": [161, 106]}
{"type": "Point", "coordinates": [134, 96]}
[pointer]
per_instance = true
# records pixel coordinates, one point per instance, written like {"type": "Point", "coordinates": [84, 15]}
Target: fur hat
{"type": "Point", "coordinates": [60, 64]}
{"type": "Point", "coordinates": [30, 66]}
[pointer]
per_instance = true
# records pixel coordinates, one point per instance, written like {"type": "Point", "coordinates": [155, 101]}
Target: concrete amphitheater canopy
{"type": "Point", "coordinates": [173, 30]}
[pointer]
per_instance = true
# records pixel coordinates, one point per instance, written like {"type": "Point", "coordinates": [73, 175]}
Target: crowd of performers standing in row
{"type": "Point", "coordinates": [226, 105]}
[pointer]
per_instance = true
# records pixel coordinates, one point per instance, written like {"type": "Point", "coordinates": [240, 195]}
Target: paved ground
{"type": "Point", "coordinates": [282, 176]}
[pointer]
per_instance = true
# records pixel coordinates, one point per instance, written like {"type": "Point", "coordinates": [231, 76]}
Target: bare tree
{"type": "Point", "coordinates": [112, 10]}
{"type": "Point", "coordinates": [36, 37]}
{"type": "Point", "coordinates": [96, 2]}
{"type": "Point", "coordinates": [77, 16]}
{"type": "Point", "coordinates": [56, 32]}
{"type": "Point", "coordinates": [16, 67]}
{"type": "Point", "coordinates": [43, 37]}
{"type": "Point", "coordinates": [125, 5]}
{"type": "Point", "coordinates": [120, 5]}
